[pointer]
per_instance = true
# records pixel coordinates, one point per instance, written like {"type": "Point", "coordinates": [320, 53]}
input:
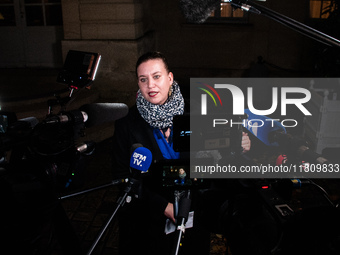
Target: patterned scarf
{"type": "Point", "coordinates": [161, 116]}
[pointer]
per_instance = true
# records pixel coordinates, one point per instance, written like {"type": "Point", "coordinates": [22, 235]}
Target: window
{"type": "Point", "coordinates": [7, 14]}
{"type": "Point", "coordinates": [228, 14]}
{"type": "Point", "coordinates": [34, 12]}
{"type": "Point", "coordinates": [43, 13]}
{"type": "Point", "coordinates": [320, 9]}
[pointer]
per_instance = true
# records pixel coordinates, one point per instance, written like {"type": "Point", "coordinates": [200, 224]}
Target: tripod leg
{"type": "Point", "coordinates": [120, 203]}
{"type": "Point", "coordinates": [182, 217]}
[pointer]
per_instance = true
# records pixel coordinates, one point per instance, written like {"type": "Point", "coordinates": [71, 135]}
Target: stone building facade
{"type": "Point", "coordinates": [121, 30]}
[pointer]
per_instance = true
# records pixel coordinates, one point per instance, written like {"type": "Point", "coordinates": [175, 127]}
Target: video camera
{"type": "Point", "coordinates": [40, 160]}
{"type": "Point", "coordinates": [54, 138]}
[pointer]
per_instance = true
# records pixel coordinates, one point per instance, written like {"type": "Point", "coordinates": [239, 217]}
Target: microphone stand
{"type": "Point", "coordinates": [182, 205]}
{"type": "Point", "coordinates": [291, 23]}
{"type": "Point", "coordinates": [120, 202]}
{"type": "Point", "coordinates": [112, 183]}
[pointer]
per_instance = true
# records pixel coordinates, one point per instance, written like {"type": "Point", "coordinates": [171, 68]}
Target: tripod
{"type": "Point", "coordinates": [119, 203]}
{"type": "Point", "coordinates": [181, 211]}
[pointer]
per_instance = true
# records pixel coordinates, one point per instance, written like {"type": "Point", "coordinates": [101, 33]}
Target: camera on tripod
{"type": "Point", "coordinates": [54, 138]}
{"type": "Point", "coordinates": [41, 158]}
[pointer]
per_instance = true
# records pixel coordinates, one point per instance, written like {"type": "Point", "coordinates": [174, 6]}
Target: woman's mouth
{"type": "Point", "coordinates": [152, 94]}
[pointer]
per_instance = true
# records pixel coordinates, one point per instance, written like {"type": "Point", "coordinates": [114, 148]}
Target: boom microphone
{"type": "Point", "coordinates": [102, 113]}
{"type": "Point", "coordinates": [197, 11]}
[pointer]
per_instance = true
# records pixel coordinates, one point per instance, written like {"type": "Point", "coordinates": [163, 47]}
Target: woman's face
{"type": "Point", "coordinates": [154, 81]}
{"type": "Point", "coordinates": [181, 171]}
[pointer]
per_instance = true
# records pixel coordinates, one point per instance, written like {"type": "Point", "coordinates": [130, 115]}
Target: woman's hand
{"type": "Point", "coordinates": [169, 212]}
{"type": "Point", "coordinates": [246, 143]}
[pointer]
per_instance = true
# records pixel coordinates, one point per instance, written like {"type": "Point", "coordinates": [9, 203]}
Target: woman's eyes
{"type": "Point", "coordinates": [156, 77]}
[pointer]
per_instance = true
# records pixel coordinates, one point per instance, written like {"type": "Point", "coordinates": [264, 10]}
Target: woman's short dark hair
{"type": "Point", "coordinates": [150, 56]}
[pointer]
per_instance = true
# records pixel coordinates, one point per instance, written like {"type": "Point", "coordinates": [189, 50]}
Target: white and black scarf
{"type": "Point", "coordinates": [161, 116]}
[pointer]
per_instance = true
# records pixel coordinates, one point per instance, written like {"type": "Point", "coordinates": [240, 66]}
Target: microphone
{"type": "Point", "coordinates": [198, 11]}
{"type": "Point", "coordinates": [102, 113]}
{"type": "Point", "coordinates": [263, 127]}
{"type": "Point", "coordinates": [141, 158]}
{"type": "Point", "coordinates": [140, 161]}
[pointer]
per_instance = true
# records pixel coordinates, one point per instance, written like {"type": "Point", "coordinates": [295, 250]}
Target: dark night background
{"type": "Point", "coordinates": [36, 36]}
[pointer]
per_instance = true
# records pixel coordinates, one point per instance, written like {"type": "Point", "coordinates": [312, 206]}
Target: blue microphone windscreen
{"type": "Point", "coordinates": [260, 126]}
{"type": "Point", "coordinates": [141, 159]}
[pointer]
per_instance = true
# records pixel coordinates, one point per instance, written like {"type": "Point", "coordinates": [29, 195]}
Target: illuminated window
{"type": "Point", "coordinates": [227, 13]}
{"type": "Point", "coordinates": [320, 9]}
